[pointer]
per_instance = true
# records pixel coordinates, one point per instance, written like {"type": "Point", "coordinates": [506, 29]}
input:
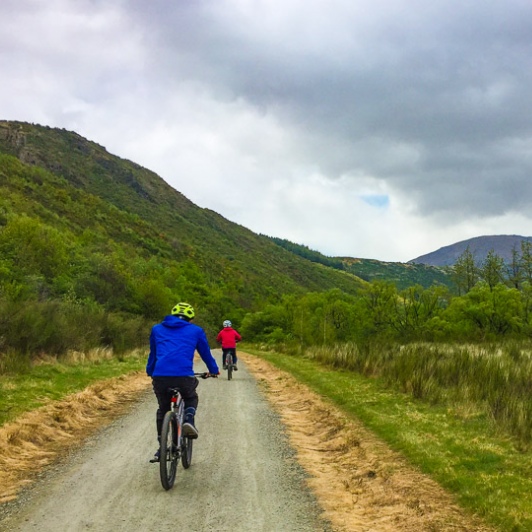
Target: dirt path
{"type": "Point", "coordinates": [244, 474]}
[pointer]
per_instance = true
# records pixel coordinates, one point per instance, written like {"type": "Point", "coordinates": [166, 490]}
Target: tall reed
{"type": "Point", "coordinates": [495, 379]}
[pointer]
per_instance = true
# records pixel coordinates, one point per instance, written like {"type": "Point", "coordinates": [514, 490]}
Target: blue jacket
{"type": "Point", "coordinates": [172, 346]}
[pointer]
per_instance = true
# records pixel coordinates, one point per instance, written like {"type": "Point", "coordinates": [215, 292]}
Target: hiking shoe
{"type": "Point", "coordinates": [225, 366]}
{"type": "Point", "coordinates": [189, 430]}
{"type": "Point", "coordinates": [156, 456]}
{"type": "Point", "coordinates": [235, 368]}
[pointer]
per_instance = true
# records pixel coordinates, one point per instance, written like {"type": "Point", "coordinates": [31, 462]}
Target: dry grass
{"type": "Point", "coordinates": [79, 357]}
{"type": "Point", "coordinates": [34, 440]}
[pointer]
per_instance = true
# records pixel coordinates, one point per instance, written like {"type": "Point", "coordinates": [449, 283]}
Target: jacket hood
{"type": "Point", "coordinates": [174, 322]}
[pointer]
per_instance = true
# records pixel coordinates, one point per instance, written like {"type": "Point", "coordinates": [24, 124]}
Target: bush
{"type": "Point", "coordinates": [32, 328]}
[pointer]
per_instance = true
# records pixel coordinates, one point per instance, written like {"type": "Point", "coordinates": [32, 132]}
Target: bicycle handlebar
{"type": "Point", "coordinates": [205, 375]}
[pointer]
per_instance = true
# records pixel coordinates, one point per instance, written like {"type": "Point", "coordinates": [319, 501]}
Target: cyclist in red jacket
{"type": "Point", "coordinates": [228, 337]}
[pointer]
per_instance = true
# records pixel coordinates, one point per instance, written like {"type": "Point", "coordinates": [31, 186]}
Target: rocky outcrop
{"type": "Point", "coordinates": [12, 135]}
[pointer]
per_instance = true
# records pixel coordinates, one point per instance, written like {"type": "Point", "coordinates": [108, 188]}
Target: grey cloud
{"type": "Point", "coordinates": [450, 73]}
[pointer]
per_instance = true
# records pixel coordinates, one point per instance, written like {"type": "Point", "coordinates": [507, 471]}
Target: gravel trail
{"type": "Point", "coordinates": [244, 476]}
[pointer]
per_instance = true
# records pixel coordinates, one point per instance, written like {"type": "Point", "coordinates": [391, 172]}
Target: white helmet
{"type": "Point", "coordinates": [227, 323]}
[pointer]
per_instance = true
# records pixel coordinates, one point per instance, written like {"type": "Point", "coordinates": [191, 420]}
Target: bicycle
{"type": "Point", "coordinates": [174, 444]}
{"type": "Point", "coordinates": [230, 364]}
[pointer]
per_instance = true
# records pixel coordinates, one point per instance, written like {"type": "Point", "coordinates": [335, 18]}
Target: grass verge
{"type": "Point", "coordinates": [481, 467]}
{"type": "Point", "coordinates": [54, 406]}
{"type": "Point", "coordinates": [53, 380]}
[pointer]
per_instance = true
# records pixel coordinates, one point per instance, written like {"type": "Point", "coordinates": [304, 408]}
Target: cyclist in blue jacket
{"type": "Point", "coordinates": [173, 344]}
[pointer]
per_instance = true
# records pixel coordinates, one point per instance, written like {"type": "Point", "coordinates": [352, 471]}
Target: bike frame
{"type": "Point", "coordinates": [177, 407]}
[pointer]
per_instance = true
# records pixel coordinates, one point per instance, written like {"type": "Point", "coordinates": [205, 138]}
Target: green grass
{"type": "Point", "coordinates": [43, 383]}
{"type": "Point", "coordinates": [460, 450]}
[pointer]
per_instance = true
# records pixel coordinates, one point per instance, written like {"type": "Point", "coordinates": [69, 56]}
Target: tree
{"type": "Point", "coordinates": [526, 261]}
{"type": "Point", "coordinates": [339, 314]}
{"type": "Point", "coordinates": [492, 270]}
{"type": "Point", "coordinates": [415, 307]}
{"type": "Point", "coordinates": [493, 311]}
{"type": "Point", "coordinates": [465, 272]}
{"type": "Point", "coordinates": [376, 312]}
{"type": "Point", "coordinates": [515, 274]}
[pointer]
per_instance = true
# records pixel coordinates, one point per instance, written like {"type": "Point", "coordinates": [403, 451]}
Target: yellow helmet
{"type": "Point", "coordinates": [183, 309]}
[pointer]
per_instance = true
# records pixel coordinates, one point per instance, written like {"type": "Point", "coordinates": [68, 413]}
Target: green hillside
{"type": "Point", "coordinates": [78, 224]}
{"type": "Point", "coordinates": [403, 275]}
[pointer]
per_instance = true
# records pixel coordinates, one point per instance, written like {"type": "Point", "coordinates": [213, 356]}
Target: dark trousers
{"type": "Point", "coordinates": [226, 351]}
{"type": "Point", "coordinates": [187, 387]}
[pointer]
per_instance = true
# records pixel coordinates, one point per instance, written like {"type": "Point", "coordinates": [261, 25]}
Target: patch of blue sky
{"type": "Point", "coordinates": [376, 200]}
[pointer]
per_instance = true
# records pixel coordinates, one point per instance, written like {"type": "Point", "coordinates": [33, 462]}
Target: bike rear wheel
{"type": "Point", "coordinates": [169, 451]}
{"type": "Point", "coordinates": [186, 457]}
{"type": "Point", "coordinates": [229, 362]}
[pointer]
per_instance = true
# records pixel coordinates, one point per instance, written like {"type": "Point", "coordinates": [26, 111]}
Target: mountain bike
{"type": "Point", "coordinates": [230, 364]}
{"type": "Point", "coordinates": [175, 445]}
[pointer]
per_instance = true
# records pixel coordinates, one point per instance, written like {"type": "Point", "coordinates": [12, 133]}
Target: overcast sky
{"type": "Point", "coordinates": [380, 129]}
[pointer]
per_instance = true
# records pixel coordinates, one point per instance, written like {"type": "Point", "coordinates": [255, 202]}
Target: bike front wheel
{"type": "Point", "coordinates": [169, 452]}
{"type": "Point", "coordinates": [186, 457]}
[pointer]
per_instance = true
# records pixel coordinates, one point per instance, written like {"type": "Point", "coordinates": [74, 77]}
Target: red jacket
{"type": "Point", "coordinates": [228, 337]}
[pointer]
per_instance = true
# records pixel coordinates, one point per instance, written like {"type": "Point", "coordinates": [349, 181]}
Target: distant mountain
{"type": "Point", "coordinates": [480, 246]}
